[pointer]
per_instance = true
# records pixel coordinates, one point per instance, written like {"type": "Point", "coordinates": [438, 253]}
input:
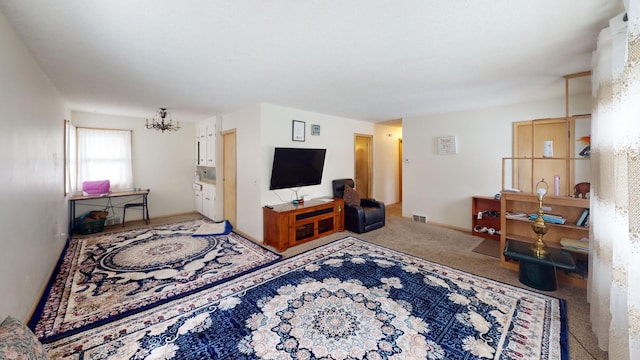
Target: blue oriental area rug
{"type": "Point", "coordinates": [104, 277]}
{"type": "Point", "coordinates": [349, 299]}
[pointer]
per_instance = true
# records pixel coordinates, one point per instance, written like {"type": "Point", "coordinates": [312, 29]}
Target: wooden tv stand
{"type": "Point", "coordinates": [287, 225]}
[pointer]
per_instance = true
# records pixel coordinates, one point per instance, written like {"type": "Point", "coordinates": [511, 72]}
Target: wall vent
{"type": "Point", "coordinates": [419, 218]}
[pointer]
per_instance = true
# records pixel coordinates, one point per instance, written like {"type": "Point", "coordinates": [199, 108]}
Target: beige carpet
{"type": "Point", "coordinates": [455, 248]}
{"type": "Point", "coordinates": [488, 247]}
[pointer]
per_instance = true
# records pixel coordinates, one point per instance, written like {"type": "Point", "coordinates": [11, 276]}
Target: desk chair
{"type": "Point", "coordinates": [143, 205]}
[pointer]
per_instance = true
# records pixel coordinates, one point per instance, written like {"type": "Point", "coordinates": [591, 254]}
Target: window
{"type": "Point", "coordinates": [104, 154]}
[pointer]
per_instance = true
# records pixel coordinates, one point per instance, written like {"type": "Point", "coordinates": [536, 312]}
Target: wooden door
{"type": "Point", "coordinates": [363, 154]}
{"type": "Point", "coordinates": [229, 176]}
{"type": "Point", "coordinates": [399, 170]}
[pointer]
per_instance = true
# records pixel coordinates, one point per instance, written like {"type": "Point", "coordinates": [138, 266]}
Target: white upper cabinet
{"type": "Point", "coordinates": [211, 142]}
{"type": "Point", "coordinates": [206, 142]}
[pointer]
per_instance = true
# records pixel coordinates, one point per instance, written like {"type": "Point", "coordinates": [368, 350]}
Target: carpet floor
{"type": "Point", "coordinates": [107, 276]}
{"type": "Point", "coordinates": [488, 247]}
{"type": "Point", "coordinates": [349, 299]}
{"type": "Point", "coordinates": [452, 248]}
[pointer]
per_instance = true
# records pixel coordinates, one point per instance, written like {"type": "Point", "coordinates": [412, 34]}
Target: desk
{"type": "Point", "coordinates": [539, 273]}
{"type": "Point", "coordinates": [75, 198]}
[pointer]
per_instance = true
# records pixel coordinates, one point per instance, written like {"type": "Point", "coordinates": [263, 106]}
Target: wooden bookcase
{"type": "Point", "coordinates": [515, 228]}
{"type": "Point", "coordinates": [490, 218]}
{"type": "Point", "coordinates": [287, 225]}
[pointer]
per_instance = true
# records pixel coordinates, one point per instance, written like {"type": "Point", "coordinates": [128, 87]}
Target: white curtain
{"type": "Point", "coordinates": [70, 158]}
{"type": "Point", "coordinates": [104, 155]}
{"type": "Point", "coordinates": [614, 274]}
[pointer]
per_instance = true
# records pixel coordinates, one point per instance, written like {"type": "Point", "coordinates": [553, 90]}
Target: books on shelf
{"type": "Point", "coordinates": [583, 220]}
{"type": "Point", "coordinates": [554, 219]}
{"type": "Point", "coordinates": [515, 215]}
{"type": "Point", "coordinates": [581, 246]}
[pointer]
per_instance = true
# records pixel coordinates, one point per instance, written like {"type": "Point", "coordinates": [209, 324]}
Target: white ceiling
{"type": "Point", "coordinates": [374, 60]}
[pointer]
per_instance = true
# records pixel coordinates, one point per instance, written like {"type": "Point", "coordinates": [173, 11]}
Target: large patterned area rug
{"type": "Point", "coordinates": [349, 299]}
{"type": "Point", "coordinates": [104, 277]}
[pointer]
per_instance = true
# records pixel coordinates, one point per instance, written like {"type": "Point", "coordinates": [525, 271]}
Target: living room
{"type": "Point", "coordinates": [438, 187]}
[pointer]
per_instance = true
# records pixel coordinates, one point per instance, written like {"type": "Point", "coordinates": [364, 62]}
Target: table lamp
{"type": "Point", "coordinates": [539, 249]}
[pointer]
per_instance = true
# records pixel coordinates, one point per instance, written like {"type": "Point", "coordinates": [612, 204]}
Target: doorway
{"type": "Point", "coordinates": [363, 155]}
{"type": "Point", "coordinates": [229, 175]}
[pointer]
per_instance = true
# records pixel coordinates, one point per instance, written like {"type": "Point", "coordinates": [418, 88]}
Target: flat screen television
{"type": "Point", "coordinates": [295, 167]}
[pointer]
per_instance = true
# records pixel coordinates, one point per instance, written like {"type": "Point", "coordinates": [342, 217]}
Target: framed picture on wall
{"type": "Point", "coordinates": [447, 145]}
{"type": "Point", "coordinates": [315, 130]}
{"type": "Point", "coordinates": [297, 131]}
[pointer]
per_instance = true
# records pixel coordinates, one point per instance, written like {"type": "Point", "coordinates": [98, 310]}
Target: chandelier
{"type": "Point", "coordinates": [159, 121]}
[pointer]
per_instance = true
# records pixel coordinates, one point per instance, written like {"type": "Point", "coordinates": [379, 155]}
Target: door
{"type": "Point", "coordinates": [229, 174]}
{"type": "Point", "coordinates": [400, 170]}
{"type": "Point", "coordinates": [363, 164]}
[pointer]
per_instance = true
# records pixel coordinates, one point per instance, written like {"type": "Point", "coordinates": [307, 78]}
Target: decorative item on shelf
{"type": "Point", "coordinates": [585, 140]}
{"type": "Point", "coordinates": [581, 190]}
{"type": "Point", "coordinates": [539, 248]}
{"type": "Point", "coordinates": [556, 185]}
{"type": "Point", "coordinates": [547, 149]}
{"type": "Point", "coordinates": [159, 121]}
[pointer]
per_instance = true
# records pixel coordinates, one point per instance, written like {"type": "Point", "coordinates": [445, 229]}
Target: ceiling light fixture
{"type": "Point", "coordinates": [159, 121]}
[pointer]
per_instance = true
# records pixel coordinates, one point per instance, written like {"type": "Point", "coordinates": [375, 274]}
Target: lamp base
{"type": "Point", "coordinates": [539, 249]}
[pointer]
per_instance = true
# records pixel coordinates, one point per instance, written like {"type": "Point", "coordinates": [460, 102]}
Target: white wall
{"type": "Point", "coordinates": [261, 128]}
{"type": "Point", "coordinates": [247, 125]}
{"type": "Point", "coordinates": [162, 162]}
{"type": "Point", "coordinates": [33, 211]}
{"type": "Point", "coordinates": [441, 186]}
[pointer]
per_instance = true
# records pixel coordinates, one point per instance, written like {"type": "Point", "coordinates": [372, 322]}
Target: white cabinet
{"type": "Point", "coordinates": [206, 142]}
{"type": "Point", "coordinates": [198, 196]}
{"type": "Point", "coordinates": [211, 142]}
{"type": "Point", "coordinates": [209, 201]}
{"type": "Point", "coordinates": [206, 200]}
{"type": "Point", "coordinates": [201, 143]}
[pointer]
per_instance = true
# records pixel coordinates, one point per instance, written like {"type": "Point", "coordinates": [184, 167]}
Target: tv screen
{"type": "Point", "coordinates": [295, 167]}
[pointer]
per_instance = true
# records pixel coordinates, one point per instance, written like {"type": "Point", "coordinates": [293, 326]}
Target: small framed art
{"type": "Point", "coordinates": [447, 145]}
{"type": "Point", "coordinates": [315, 130]}
{"type": "Point", "coordinates": [297, 130]}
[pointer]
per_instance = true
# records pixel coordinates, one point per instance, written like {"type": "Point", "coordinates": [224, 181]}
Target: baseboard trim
{"type": "Point", "coordinates": [446, 226]}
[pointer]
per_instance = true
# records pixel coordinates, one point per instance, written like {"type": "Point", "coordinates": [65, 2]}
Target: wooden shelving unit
{"type": "Point", "coordinates": [484, 205]}
{"type": "Point", "coordinates": [287, 225]}
{"type": "Point", "coordinates": [529, 165]}
{"type": "Point", "coordinates": [519, 228]}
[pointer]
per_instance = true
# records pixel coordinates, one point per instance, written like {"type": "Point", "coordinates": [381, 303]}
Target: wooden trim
{"type": "Point", "coordinates": [97, 128]}
{"type": "Point", "coordinates": [566, 87]}
{"type": "Point", "coordinates": [578, 74]}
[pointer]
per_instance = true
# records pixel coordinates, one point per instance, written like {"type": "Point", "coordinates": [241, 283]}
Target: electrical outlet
{"type": "Point", "coordinates": [546, 208]}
